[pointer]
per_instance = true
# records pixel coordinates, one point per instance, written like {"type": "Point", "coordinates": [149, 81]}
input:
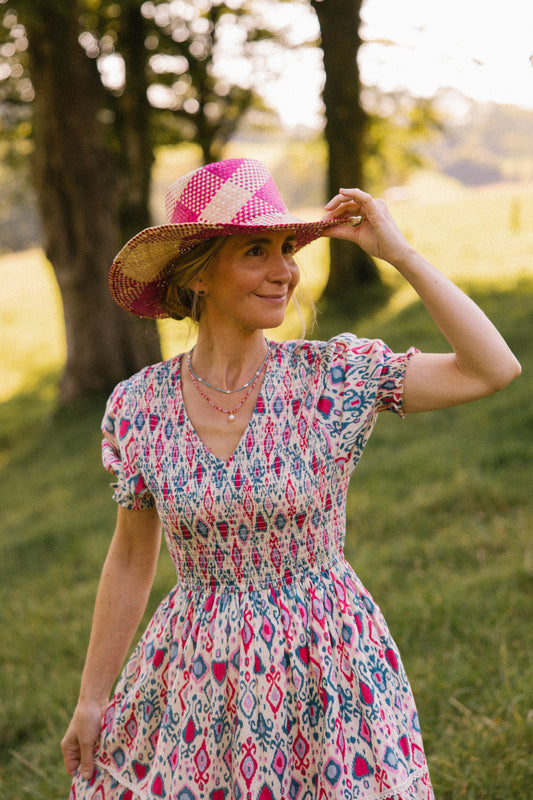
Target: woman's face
{"type": "Point", "coordinates": [252, 281]}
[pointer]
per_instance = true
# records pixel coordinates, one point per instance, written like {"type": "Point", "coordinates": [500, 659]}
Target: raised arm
{"type": "Point", "coordinates": [123, 592]}
{"type": "Point", "coordinates": [481, 362]}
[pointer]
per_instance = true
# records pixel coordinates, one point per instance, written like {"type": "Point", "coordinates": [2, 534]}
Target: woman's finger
{"type": "Point", "coordinates": [348, 201]}
{"type": "Point", "coordinates": [71, 755]}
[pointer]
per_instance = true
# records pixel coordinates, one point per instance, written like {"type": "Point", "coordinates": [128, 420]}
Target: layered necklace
{"type": "Point", "coordinates": [249, 385]}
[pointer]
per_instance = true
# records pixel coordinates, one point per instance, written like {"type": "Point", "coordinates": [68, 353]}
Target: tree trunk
{"type": "Point", "coordinates": [79, 202]}
{"type": "Point", "coordinates": [133, 123]}
{"type": "Point", "coordinates": [339, 23]}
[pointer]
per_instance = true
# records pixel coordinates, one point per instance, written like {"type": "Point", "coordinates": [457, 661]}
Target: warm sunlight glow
{"type": "Point", "coordinates": [478, 47]}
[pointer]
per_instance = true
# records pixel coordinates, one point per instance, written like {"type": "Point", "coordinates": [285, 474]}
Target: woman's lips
{"type": "Point", "coordinates": [273, 298]}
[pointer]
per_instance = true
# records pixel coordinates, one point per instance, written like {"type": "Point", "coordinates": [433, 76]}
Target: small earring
{"type": "Point", "coordinates": [200, 292]}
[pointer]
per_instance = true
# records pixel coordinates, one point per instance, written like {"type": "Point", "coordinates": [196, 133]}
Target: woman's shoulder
{"type": "Point", "coordinates": [331, 349]}
{"type": "Point", "coordinates": [148, 379]}
{"type": "Point", "coordinates": [344, 357]}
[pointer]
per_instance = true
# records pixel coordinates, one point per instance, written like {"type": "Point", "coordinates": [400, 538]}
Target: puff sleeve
{"type": "Point", "coordinates": [120, 450]}
{"type": "Point", "coordinates": [364, 377]}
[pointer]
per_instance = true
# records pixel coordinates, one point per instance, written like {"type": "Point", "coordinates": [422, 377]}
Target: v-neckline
{"type": "Point", "coordinates": [207, 450]}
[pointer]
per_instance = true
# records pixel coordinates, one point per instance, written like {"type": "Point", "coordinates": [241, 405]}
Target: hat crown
{"type": "Point", "coordinates": [239, 191]}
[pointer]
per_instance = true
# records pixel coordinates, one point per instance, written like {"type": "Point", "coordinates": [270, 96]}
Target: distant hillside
{"type": "Point", "coordinates": [482, 142]}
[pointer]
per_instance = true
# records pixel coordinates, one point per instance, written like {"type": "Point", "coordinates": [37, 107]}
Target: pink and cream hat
{"type": "Point", "coordinates": [238, 196]}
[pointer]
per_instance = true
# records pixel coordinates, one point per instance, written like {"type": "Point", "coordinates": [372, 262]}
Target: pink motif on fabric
{"type": "Point", "coordinates": [268, 671]}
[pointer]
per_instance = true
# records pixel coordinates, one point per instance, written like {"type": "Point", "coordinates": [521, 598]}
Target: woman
{"type": "Point", "coordinates": [268, 671]}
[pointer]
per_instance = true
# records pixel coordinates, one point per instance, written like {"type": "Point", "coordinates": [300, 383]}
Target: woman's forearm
{"type": "Point", "coordinates": [121, 599]}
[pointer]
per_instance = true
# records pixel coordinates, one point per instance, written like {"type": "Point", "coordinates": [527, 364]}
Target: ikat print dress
{"type": "Point", "coordinates": [268, 672]}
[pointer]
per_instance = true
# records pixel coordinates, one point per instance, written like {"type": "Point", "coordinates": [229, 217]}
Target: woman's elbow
{"type": "Point", "coordinates": [507, 373]}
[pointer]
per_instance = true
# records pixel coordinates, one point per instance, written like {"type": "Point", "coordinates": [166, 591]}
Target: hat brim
{"type": "Point", "coordinates": [140, 272]}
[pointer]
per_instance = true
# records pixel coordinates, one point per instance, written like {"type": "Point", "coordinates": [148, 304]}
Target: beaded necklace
{"type": "Point", "coordinates": [250, 384]}
{"type": "Point", "coordinates": [226, 391]}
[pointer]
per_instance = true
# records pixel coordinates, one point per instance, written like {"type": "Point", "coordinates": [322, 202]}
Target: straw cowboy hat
{"type": "Point", "coordinates": [237, 196]}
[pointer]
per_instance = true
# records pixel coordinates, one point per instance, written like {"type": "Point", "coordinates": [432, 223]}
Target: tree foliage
{"type": "Point", "coordinates": [16, 96]}
{"type": "Point", "coordinates": [398, 124]}
{"type": "Point", "coordinates": [191, 67]}
{"type": "Point", "coordinates": [107, 81]}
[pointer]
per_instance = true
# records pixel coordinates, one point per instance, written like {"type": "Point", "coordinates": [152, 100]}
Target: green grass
{"type": "Point", "coordinates": [439, 522]}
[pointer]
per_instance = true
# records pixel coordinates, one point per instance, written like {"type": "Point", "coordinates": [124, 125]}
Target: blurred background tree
{"type": "Point", "coordinates": [93, 87]}
{"type": "Point", "coordinates": [108, 82]}
{"type": "Point", "coordinates": [345, 132]}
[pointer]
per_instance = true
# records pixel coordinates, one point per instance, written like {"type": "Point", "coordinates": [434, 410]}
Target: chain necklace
{"type": "Point", "coordinates": [226, 391]}
{"type": "Point", "coordinates": [250, 384]}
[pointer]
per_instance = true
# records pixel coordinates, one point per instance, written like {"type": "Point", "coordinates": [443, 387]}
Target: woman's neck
{"type": "Point", "coordinates": [228, 362]}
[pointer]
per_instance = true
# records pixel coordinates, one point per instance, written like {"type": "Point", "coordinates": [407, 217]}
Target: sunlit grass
{"type": "Point", "coordinates": [31, 323]}
{"type": "Point", "coordinates": [482, 234]}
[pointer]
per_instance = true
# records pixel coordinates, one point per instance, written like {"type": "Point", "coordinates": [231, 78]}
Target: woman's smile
{"type": "Point", "coordinates": [273, 298]}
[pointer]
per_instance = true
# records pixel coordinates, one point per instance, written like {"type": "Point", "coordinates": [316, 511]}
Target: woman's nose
{"type": "Point", "coordinates": [283, 268]}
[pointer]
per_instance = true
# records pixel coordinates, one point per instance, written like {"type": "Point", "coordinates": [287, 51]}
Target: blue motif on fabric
{"type": "Point", "coordinates": [268, 671]}
{"type": "Point", "coordinates": [337, 374]}
{"type": "Point", "coordinates": [118, 757]}
{"type": "Point", "coordinates": [332, 772]}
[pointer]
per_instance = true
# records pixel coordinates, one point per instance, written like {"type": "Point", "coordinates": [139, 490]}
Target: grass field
{"type": "Point", "coordinates": [439, 518]}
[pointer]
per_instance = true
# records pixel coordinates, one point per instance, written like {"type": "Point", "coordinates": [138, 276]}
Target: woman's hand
{"type": "Point", "coordinates": [81, 737]}
{"type": "Point", "coordinates": [377, 232]}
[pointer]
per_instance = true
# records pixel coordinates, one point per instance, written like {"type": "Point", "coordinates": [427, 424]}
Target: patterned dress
{"type": "Point", "coordinates": [268, 671]}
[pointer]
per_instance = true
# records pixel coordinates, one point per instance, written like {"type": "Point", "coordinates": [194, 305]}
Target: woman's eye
{"type": "Point", "coordinates": [289, 248]}
{"type": "Point", "coordinates": [254, 251]}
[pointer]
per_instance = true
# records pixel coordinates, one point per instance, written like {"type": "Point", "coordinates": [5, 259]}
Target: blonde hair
{"type": "Point", "coordinates": [180, 301]}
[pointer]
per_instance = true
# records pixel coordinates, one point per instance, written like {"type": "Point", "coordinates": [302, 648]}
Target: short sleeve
{"type": "Point", "coordinates": [119, 452]}
{"type": "Point", "coordinates": [389, 395]}
{"type": "Point", "coordinates": [364, 378]}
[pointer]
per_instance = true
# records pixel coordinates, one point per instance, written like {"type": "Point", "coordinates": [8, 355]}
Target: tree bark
{"type": "Point", "coordinates": [345, 130]}
{"type": "Point", "coordinates": [133, 127]}
{"type": "Point", "coordinates": [78, 195]}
